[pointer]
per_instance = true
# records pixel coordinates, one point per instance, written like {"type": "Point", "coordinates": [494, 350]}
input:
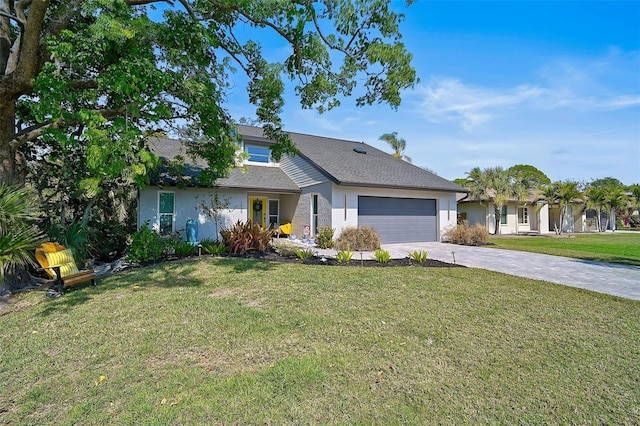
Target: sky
{"type": "Point", "coordinates": [552, 84]}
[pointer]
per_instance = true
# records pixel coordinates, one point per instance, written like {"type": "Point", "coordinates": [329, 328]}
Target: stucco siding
{"type": "Point", "coordinates": [346, 215]}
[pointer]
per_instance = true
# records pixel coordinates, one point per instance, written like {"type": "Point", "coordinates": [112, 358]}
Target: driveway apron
{"type": "Point", "coordinates": [609, 278]}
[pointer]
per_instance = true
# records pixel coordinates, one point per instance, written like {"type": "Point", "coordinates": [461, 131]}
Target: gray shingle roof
{"type": "Point", "coordinates": [347, 167]}
{"type": "Point", "coordinates": [249, 177]}
{"type": "Point", "coordinates": [336, 158]}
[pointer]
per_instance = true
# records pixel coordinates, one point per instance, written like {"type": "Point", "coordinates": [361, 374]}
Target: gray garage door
{"type": "Point", "coordinates": [399, 220]}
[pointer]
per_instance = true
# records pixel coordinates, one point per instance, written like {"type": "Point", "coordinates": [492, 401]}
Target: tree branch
{"type": "Point", "coordinates": [184, 4]}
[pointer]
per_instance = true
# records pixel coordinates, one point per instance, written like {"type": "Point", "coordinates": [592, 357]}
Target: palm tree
{"type": "Point", "coordinates": [616, 200]}
{"type": "Point", "coordinates": [18, 239]}
{"type": "Point", "coordinates": [496, 185]}
{"type": "Point", "coordinates": [397, 144]}
{"type": "Point", "coordinates": [596, 200]}
{"type": "Point", "coordinates": [563, 193]}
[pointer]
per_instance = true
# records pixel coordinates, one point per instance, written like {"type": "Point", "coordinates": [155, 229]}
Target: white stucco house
{"type": "Point", "coordinates": [530, 216]}
{"type": "Point", "coordinates": [331, 182]}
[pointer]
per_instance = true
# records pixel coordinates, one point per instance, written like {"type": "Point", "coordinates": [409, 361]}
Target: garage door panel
{"type": "Point", "coordinates": [399, 220]}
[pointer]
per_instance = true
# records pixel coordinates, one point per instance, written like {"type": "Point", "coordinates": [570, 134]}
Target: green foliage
{"type": "Point", "coordinates": [184, 249]}
{"type": "Point", "coordinates": [246, 236]}
{"type": "Point", "coordinates": [285, 248]}
{"type": "Point", "coordinates": [18, 237]}
{"type": "Point", "coordinates": [344, 256]}
{"type": "Point", "coordinates": [324, 239]}
{"type": "Point", "coordinates": [146, 245]}
{"type": "Point", "coordinates": [364, 238]}
{"type": "Point", "coordinates": [75, 236]}
{"type": "Point", "coordinates": [216, 248]}
{"type": "Point", "coordinates": [466, 235]}
{"type": "Point", "coordinates": [397, 144]}
{"type": "Point", "coordinates": [305, 253]}
{"type": "Point", "coordinates": [382, 256]}
{"type": "Point", "coordinates": [528, 176]}
{"type": "Point", "coordinates": [418, 255]}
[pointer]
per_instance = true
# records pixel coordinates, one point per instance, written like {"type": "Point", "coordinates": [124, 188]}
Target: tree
{"type": "Point", "coordinates": [530, 176]}
{"type": "Point", "coordinates": [96, 77]}
{"type": "Point", "coordinates": [496, 185]}
{"type": "Point", "coordinates": [563, 193]}
{"type": "Point", "coordinates": [397, 144]}
{"type": "Point", "coordinates": [596, 200]}
{"type": "Point", "coordinates": [606, 194]}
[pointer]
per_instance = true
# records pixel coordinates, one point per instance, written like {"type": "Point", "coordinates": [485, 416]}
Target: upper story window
{"type": "Point", "coordinates": [258, 154]}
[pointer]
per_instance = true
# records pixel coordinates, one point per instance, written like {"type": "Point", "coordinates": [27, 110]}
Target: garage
{"type": "Point", "coordinates": [399, 220]}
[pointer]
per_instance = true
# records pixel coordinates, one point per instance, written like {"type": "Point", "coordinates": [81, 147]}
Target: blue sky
{"type": "Point", "coordinates": [551, 84]}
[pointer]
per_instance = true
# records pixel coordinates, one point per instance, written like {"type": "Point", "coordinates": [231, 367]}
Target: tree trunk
{"type": "Point", "coordinates": [497, 213]}
{"type": "Point", "coordinates": [12, 163]}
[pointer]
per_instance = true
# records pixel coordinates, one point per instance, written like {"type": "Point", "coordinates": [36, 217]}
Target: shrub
{"type": "Point", "coordinates": [184, 248]}
{"type": "Point", "coordinates": [146, 245]}
{"type": "Point", "coordinates": [382, 256]}
{"type": "Point", "coordinates": [213, 247]}
{"type": "Point", "coordinates": [344, 256]}
{"type": "Point", "coordinates": [360, 239]}
{"type": "Point", "coordinates": [246, 236]}
{"type": "Point", "coordinates": [418, 255]}
{"type": "Point", "coordinates": [479, 235]}
{"type": "Point", "coordinates": [285, 248]}
{"type": "Point", "coordinates": [305, 254]}
{"type": "Point", "coordinates": [324, 239]}
{"type": "Point", "coordinates": [463, 234]}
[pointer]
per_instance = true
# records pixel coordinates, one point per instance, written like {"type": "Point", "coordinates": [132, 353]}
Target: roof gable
{"type": "Point", "coordinates": [345, 165]}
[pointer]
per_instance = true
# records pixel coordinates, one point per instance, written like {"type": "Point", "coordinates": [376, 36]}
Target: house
{"type": "Point", "coordinates": [331, 182]}
{"type": "Point", "coordinates": [530, 215]}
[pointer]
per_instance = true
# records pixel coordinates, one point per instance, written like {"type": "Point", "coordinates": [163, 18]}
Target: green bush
{"type": "Point", "coordinates": [360, 239]}
{"type": "Point", "coordinates": [305, 253]}
{"type": "Point", "coordinates": [344, 256]}
{"type": "Point", "coordinates": [324, 239]}
{"type": "Point", "coordinates": [465, 235]}
{"type": "Point", "coordinates": [146, 245]}
{"type": "Point", "coordinates": [382, 256]}
{"type": "Point", "coordinates": [213, 247]}
{"type": "Point", "coordinates": [246, 236]}
{"type": "Point", "coordinates": [184, 248]}
{"type": "Point", "coordinates": [419, 256]}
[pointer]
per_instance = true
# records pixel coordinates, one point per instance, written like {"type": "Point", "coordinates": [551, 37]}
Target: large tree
{"type": "Point", "coordinates": [95, 77]}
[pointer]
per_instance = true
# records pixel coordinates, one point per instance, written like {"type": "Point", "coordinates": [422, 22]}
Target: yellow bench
{"type": "Point", "coordinates": [58, 262]}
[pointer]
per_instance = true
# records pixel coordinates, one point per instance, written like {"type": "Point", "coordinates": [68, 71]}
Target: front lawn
{"type": "Point", "coordinates": [240, 341]}
{"type": "Point", "coordinates": [614, 248]}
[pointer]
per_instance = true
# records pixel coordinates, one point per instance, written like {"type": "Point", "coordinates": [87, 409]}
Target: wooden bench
{"type": "Point", "coordinates": [58, 262]}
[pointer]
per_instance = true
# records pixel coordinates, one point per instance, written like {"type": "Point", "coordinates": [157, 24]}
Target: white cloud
{"type": "Point", "coordinates": [598, 85]}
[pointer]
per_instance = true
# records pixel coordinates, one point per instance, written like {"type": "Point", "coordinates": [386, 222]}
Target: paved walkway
{"type": "Point", "coordinates": [609, 278]}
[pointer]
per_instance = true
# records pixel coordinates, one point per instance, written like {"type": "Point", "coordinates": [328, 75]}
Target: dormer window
{"type": "Point", "coordinates": [258, 154]}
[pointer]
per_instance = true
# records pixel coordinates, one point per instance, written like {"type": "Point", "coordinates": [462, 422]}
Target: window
{"type": "Point", "coordinates": [166, 211]}
{"type": "Point", "coordinates": [274, 211]}
{"type": "Point", "coordinates": [523, 215]}
{"type": "Point", "coordinates": [503, 215]}
{"type": "Point", "coordinates": [314, 214]}
{"type": "Point", "coordinates": [258, 154]}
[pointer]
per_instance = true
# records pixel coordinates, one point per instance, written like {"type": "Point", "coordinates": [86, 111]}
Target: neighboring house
{"type": "Point", "coordinates": [532, 215]}
{"type": "Point", "coordinates": [332, 182]}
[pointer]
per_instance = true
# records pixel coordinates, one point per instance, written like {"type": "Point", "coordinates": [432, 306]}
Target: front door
{"type": "Point", "coordinates": [258, 210]}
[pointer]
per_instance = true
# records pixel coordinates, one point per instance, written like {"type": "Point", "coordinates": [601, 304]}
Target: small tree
{"type": "Point", "coordinates": [18, 237]}
{"type": "Point", "coordinates": [563, 193]}
{"type": "Point", "coordinates": [213, 208]}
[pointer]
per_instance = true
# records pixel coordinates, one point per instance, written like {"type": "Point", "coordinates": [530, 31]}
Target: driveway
{"type": "Point", "coordinates": [609, 278]}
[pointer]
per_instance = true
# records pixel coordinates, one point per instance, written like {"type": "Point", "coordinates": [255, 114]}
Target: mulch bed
{"type": "Point", "coordinates": [271, 255]}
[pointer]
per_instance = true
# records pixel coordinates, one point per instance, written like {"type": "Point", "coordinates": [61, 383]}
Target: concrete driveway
{"type": "Point", "coordinates": [609, 278]}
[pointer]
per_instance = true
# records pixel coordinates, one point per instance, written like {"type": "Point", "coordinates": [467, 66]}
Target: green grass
{"type": "Point", "coordinates": [613, 248]}
{"type": "Point", "coordinates": [233, 341]}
